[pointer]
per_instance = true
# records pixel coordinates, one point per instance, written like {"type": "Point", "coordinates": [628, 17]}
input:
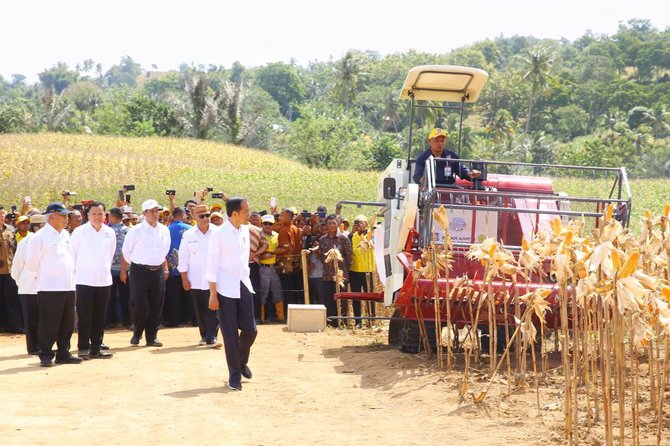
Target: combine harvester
{"type": "Point", "coordinates": [509, 202]}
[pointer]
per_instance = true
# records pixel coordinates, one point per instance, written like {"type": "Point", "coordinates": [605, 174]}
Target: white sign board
{"type": "Point", "coordinates": [468, 226]}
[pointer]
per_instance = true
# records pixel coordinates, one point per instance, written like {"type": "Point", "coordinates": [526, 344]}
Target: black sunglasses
{"type": "Point", "coordinates": [267, 223]}
{"type": "Point", "coordinates": [204, 216]}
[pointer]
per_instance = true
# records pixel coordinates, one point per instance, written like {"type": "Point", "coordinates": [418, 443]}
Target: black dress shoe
{"type": "Point", "coordinates": [46, 363]}
{"type": "Point", "coordinates": [103, 347]}
{"type": "Point", "coordinates": [154, 343]}
{"type": "Point", "coordinates": [101, 354]}
{"type": "Point", "coordinates": [246, 372]}
{"type": "Point", "coordinates": [135, 340]}
{"type": "Point", "coordinates": [235, 387]}
{"type": "Point", "coordinates": [68, 360]}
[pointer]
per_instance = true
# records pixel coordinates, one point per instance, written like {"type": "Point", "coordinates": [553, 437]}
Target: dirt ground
{"type": "Point", "coordinates": [337, 387]}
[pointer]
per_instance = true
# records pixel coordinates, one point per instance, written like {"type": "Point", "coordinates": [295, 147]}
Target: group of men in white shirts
{"type": "Point", "coordinates": [55, 270]}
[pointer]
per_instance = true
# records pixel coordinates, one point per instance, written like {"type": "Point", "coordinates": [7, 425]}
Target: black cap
{"type": "Point", "coordinates": [57, 207]}
{"type": "Point", "coordinates": [321, 208]}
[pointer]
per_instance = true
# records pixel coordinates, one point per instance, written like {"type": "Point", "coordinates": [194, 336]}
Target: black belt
{"type": "Point", "coordinates": [149, 267]}
{"type": "Point", "coordinates": [267, 266]}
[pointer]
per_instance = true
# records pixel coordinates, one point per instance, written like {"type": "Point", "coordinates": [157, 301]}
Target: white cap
{"type": "Point", "coordinates": [149, 204]}
{"type": "Point", "coordinates": [268, 218]}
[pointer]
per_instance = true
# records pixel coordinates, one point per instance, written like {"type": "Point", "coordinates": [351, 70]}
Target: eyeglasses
{"type": "Point", "coordinates": [267, 223]}
{"type": "Point", "coordinates": [203, 216]}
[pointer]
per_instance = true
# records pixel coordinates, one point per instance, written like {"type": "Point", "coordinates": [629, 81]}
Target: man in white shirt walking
{"type": "Point", "coordinates": [230, 290]}
{"type": "Point", "coordinates": [93, 245]}
{"type": "Point", "coordinates": [50, 258]}
{"type": "Point", "coordinates": [145, 247]}
{"type": "Point", "coordinates": [192, 262]}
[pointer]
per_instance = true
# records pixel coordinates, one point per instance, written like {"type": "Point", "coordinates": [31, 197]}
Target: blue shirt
{"type": "Point", "coordinates": [177, 229]}
{"type": "Point", "coordinates": [120, 230]}
{"type": "Point", "coordinates": [444, 170]}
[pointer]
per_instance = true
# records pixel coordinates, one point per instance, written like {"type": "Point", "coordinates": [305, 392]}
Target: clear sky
{"type": "Point", "coordinates": [35, 34]}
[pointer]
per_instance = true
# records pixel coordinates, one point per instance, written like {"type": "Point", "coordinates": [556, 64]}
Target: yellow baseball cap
{"type": "Point", "coordinates": [437, 132]}
{"type": "Point", "coordinates": [21, 219]}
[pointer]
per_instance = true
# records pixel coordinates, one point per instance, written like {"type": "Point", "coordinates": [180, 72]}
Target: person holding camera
{"type": "Point", "coordinates": [10, 306]}
{"type": "Point", "coordinates": [93, 245]}
{"type": "Point", "coordinates": [145, 248]}
{"type": "Point", "coordinates": [50, 258]}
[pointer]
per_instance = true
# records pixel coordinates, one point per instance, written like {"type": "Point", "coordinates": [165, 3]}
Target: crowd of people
{"type": "Point", "coordinates": [90, 268]}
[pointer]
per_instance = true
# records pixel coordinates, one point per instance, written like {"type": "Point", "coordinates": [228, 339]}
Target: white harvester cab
{"type": "Point", "coordinates": [452, 87]}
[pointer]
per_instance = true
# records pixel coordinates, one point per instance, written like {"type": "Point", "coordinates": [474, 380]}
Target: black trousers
{"type": "Point", "coordinates": [31, 317]}
{"type": "Point", "coordinates": [328, 288]}
{"type": "Point", "coordinates": [175, 308]}
{"type": "Point", "coordinates": [359, 283]}
{"type": "Point", "coordinates": [234, 315]}
{"type": "Point", "coordinates": [292, 289]}
{"type": "Point", "coordinates": [56, 315]}
{"type": "Point", "coordinates": [207, 322]}
{"type": "Point", "coordinates": [146, 294]}
{"type": "Point", "coordinates": [315, 290]}
{"type": "Point", "coordinates": [10, 305]}
{"type": "Point", "coordinates": [92, 302]}
{"type": "Point", "coordinates": [119, 299]}
{"type": "Point", "coordinates": [255, 277]}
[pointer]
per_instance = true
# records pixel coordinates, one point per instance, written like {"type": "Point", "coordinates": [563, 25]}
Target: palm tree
{"type": "Point", "coordinates": [659, 120]}
{"type": "Point", "coordinates": [198, 115]}
{"type": "Point", "coordinates": [348, 72]}
{"type": "Point", "coordinates": [537, 69]}
{"type": "Point", "coordinates": [55, 109]}
{"type": "Point", "coordinates": [501, 126]}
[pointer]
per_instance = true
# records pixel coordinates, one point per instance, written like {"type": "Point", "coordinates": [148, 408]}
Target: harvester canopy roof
{"type": "Point", "coordinates": [445, 83]}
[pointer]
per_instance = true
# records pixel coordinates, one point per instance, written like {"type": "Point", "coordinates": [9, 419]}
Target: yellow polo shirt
{"type": "Point", "coordinates": [273, 243]}
{"type": "Point", "coordinates": [364, 260]}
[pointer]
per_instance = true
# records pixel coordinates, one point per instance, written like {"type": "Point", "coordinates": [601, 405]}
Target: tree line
{"type": "Point", "coordinates": [598, 100]}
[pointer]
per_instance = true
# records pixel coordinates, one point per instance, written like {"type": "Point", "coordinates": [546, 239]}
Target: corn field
{"type": "Point", "coordinates": [610, 291]}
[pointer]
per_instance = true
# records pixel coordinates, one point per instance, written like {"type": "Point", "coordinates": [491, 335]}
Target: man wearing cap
{"type": "Point", "coordinates": [177, 306]}
{"type": "Point", "coordinates": [227, 271]}
{"type": "Point", "coordinates": [10, 306]}
{"type": "Point", "coordinates": [270, 283]}
{"type": "Point", "coordinates": [192, 262]}
{"type": "Point", "coordinates": [145, 248]}
{"type": "Point", "coordinates": [22, 227]}
{"type": "Point", "coordinates": [93, 246]}
{"type": "Point", "coordinates": [74, 220]}
{"type": "Point", "coordinates": [257, 246]}
{"type": "Point", "coordinates": [216, 218]}
{"type": "Point", "coordinates": [363, 263]}
{"type": "Point", "coordinates": [27, 282]}
{"type": "Point", "coordinates": [119, 291]}
{"type": "Point", "coordinates": [444, 170]}
{"type": "Point", "coordinates": [50, 258]}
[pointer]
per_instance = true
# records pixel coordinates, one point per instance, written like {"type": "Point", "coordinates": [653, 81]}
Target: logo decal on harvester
{"type": "Point", "coordinates": [457, 224]}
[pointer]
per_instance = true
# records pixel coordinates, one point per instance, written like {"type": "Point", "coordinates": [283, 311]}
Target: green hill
{"type": "Point", "coordinates": [42, 165]}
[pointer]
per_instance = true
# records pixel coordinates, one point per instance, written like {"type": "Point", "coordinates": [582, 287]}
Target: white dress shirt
{"type": "Point", "coordinates": [193, 256]}
{"type": "Point", "coordinates": [26, 280]}
{"type": "Point", "coordinates": [145, 245]}
{"type": "Point", "coordinates": [50, 258]}
{"type": "Point", "coordinates": [93, 253]}
{"type": "Point", "coordinates": [228, 260]}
